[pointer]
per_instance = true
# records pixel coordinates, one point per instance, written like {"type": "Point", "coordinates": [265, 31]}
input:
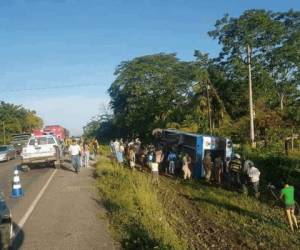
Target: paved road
{"type": "Point", "coordinates": [67, 216]}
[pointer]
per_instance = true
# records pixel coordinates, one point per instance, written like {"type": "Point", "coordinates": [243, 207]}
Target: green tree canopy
{"type": "Point", "coordinates": [17, 119]}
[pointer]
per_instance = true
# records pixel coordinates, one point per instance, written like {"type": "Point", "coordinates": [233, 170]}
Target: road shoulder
{"type": "Point", "coordinates": [68, 216]}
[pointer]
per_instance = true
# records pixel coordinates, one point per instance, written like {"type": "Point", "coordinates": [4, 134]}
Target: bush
{"type": "Point", "coordinates": [275, 166]}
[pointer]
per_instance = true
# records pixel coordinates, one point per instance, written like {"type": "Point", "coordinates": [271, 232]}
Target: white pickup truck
{"type": "Point", "coordinates": [44, 149]}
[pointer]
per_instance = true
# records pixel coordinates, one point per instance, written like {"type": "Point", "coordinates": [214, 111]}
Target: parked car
{"type": "Point", "coordinates": [42, 150]}
{"type": "Point", "coordinates": [6, 225]}
{"type": "Point", "coordinates": [7, 152]}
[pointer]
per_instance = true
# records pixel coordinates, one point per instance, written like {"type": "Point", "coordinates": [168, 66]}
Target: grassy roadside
{"type": "Point", "coordinates": [187, 215]}
{"type": "Point", "coordinates": [135, 211]}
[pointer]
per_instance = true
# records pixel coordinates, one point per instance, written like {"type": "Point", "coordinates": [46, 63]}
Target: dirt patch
{"type": "Point", "coordinates": [199, 231]}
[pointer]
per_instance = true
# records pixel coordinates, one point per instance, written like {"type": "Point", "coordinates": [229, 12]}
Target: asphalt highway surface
{"type": "Point", "coordinates": [59, 210]}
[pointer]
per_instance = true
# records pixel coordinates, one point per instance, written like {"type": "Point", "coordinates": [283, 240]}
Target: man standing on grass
{"type": "Point", "coordinates": [207, 164]}
{"type": "Point", "coordinates": [235, 168]}
{"type": "Point", "coordinates": [254, 174]}
{"type": "Point", "coordinates": [155, 173]}
{"type": "Point", "coordinates": [171, 159]}
{"type": "Point", "coordinates": [75, 151]}
{"type": "Point", "coordinates": [218, 167]}
{"type": "Point", "coordinates": [159, 156]}
{"type": "Point", "coordinates": [131, 157]}
{"type": "Point", "coordinates": [287, 193]}
{"type": "Point", "coordinates": [186, 161]}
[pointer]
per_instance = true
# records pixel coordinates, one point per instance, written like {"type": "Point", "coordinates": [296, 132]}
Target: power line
{"type": "Point", "coordinates": [49, 87]}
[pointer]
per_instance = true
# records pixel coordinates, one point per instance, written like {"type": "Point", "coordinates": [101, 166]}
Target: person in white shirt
{"type": "Point", "coordinates": [75, 152]}
{"type": "Point", "coordinates": [117, 146]}
{"type": "Point", "coordinates": [155, 173]}
{"type": "Point", "coordinates": [254, 175]}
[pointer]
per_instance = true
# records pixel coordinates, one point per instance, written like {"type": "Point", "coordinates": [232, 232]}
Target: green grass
{"type": "Point", "coordinates": [135, 211]}
{"type": "Point", "coordinates": [187, 214]}
{"type": "Point", "coordinates": [255, 224]}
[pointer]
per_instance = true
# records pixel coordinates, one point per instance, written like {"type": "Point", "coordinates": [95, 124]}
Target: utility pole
{"type": "Point", "coordinates": [252, 138]}
{"type": "Point", "coordinates": [3, 126]}
{"type": "Point", "coordinates": [208, 105]}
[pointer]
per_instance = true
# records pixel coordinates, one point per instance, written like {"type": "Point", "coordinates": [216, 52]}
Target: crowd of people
{"type": "Point", "coordinates": [232, 172]}
{"type": "Point", "coordinates": [158, 159]}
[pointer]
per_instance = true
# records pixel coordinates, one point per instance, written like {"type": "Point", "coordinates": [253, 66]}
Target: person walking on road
{"type": "Point", "coordinates": [287, 193]}
{"type": "Point", "coordinates": [75, 152]}
{"type": "Point", "coordinates": [95, 146]}
{"type": "Point", "coordinates": [86, 154]}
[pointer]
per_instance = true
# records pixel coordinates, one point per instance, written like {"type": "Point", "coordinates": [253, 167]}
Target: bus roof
{"type": "Point", "coordinates": [175, 131]}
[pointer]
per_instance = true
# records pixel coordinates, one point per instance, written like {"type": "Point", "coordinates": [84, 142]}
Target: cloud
{"type": "Point", "coordinates": [72, 112]}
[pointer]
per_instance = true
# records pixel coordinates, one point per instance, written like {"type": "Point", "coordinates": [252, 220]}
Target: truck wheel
{"type": "Point", "coordinates": [57, 164]}
{"type": "Point", "coordinates": [25, 168]}
{"type": "Point", "coordinates": [6, 234]}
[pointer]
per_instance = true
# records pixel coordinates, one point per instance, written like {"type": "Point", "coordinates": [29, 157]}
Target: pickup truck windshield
{"type": "Point", "coordinates": [42, 141]}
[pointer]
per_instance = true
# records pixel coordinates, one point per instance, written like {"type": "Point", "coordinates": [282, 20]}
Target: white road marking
{"type": "Point", "coordinates": [32, 206]}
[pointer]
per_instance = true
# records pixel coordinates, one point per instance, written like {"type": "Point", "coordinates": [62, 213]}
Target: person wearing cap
{"type": "Point", "coordinates": [287, 194]}
{"type": "Point", "coordinates": [235, 168]}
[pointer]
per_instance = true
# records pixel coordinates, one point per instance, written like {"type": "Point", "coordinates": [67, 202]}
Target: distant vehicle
{"type": "Point", "coordinates": [7, 152]}
{"type": "Point", "coordinates": [37, 132]}
{"type": "Point", "coordinates": [60, 132]}
{"type": "Point", "coordinates": [43, 149]}
{"type": "Point", "coordinates": [6, 226]}
{"type": "Point", "coordinates": [19, 140]}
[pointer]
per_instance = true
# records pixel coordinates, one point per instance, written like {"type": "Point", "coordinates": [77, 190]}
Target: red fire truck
{"type": "Point", "coordinates": [56, 130]}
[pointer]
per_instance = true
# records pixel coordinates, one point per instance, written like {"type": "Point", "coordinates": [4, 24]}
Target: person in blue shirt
{"type": "Point", "coordinates": [172, 159]}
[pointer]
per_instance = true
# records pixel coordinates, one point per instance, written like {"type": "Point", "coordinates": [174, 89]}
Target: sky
{"type": "Point", "coordinates": [58, 57]}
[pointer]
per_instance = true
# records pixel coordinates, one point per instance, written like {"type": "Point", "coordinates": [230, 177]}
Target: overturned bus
{"type": "Point", "coordinates": [196, 145]}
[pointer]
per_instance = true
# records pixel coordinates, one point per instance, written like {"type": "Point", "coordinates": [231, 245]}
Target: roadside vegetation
{"type": "Point", "coordinates": [135, 210]}
{"type": "Point", "coordinates": [187, 214]}
{"type": "Point", "coordinates": [210, 95]}
{"type": "Point", "coordinates": [16, 119]}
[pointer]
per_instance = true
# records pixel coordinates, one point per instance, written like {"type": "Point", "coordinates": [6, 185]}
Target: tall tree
{"type": "Point", "coordinates": [148, 92]}
{"type": "Point", "coordinates": [283, 62]}
{"type": "Point", "coordinates": [17, 119]}
{"type": "Point", "coordinates": [245, 40]}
